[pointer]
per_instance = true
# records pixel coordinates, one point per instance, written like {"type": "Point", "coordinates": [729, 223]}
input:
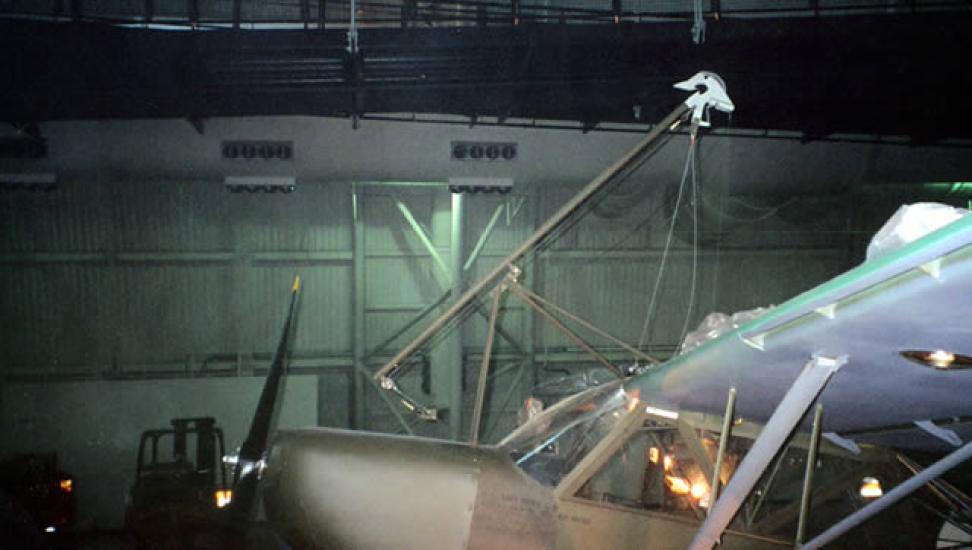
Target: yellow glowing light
{"type": "Point", "coordinates": [67, 485]}
{"type": "Point", "coordinates": [664, 413]}
{"type": "Point", "coordinates": [941, 359]}
{"type": "Point", "coordinates": [653, 455]}
{"type": "Point", "coordinates": [699, 490]}
{"type": "Point", "coordinates": [634, 397]}
{"type": "Point", "coordinates": [223, 497]}
{"type": "Point", "coordinates": [871, 487]}
{"type": "Point", "coordinates": [668, 463]}
{"type": "Point", "coordinates": [678, 485]}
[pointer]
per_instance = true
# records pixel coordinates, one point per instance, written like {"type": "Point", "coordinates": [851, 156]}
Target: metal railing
{"type": "Point", "coordinates": [307, 14]}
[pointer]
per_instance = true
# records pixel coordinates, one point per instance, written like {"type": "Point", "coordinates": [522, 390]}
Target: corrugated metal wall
{"type": "Point", "coordinates": [145, 279]}
{"type": "Point", "coordinates": [133, 272]}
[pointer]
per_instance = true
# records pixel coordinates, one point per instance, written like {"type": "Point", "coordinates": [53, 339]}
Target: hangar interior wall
{"type": "Point", "coordinates": [94, 426]}
{"type": "Point", "coordinates": [136, 298]}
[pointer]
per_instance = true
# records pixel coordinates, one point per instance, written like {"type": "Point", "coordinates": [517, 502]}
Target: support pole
{"type": "Point", "coordinates": [808, 476]}
{"type": "Point", "coordinates": [956, 500]}
{"type": "Point", "coordinates": [411, 323]}
{"type": "Point", "coordinates": [457, 371]}
{"type": "Point", "coordinates": [444, 269]}
{"type": "Point", "coordinates": [724, 436]}
{"type": "Point", "coordinates": [785, 418]}
{"type": "Point", "coordinates": [619, 342]}
{"type": "Point", "coordinates": [534, 273]}
{"type": "Point", "coordinates": [832, 487]}
{"type": "Point", "coordinates": [523, 367]}
{"type": "Point", "coordinates": [753, 512]}
{"type": "Point", "coordinates": [692, 440]}
{"type": "Point", "coordinates": [474, 427]}
{"type": "Point", "coordinates": [192, 12]}
{"type": "Point", "coordinates": [567, 332]}
{"type": "Point", "coordinates": [359, 374]}
{"type": "Point", "coordinates": [890, 498]}
{"type": "Point", "coordinates": [422, 235]}
{"type": "Point", "coordinates": [481, 243]}
{"type": "Point", "coordinates": [629, 161]}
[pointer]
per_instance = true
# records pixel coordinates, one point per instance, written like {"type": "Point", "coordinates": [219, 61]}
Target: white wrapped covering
{"type": "Point", "coordinates": [716, 324]}
{"type": "Point", "coordinates": [910, 223]}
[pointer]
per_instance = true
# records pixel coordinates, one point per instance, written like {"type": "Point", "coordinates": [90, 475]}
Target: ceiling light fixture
{"type": "Point", "coordinates": [938, 359]}
{"type": "Point", "coordinates": [264, 184]}
{"type": "Point", "coordinates": [871, 488]}
{"type": "Point", "coordinates": [664, 413]}
{"type": "Point", "coordinates": [941, 359]}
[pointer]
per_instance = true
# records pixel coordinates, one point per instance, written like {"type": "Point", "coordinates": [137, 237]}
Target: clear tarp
{"type": "Point", "coordinates": [910, 223]}
{"type": "Point", "coordinates": [716, 324]}
{"type": "Point", "coordinates": [553, 391]}
{"type": "Point", "coordinates": [552, 443]}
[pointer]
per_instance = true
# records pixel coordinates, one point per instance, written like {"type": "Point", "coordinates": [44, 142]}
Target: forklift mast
{"type": "Point", "coordinates": [208, 447]}
{"type": "Point", "coordinates": [180, 482]}
{"type": "Point", "coordinates": [204, 427]}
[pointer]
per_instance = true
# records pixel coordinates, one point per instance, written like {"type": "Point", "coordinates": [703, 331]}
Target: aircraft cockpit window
{"type": "Point", "coordinates": [552, 443]}
{"type": "Point", "coordinates": [659, 468]}
{"type": "Point", "coordinates": [666, 466]}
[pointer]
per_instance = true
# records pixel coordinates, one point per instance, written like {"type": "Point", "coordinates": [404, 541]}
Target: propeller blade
{"type": "Point", "coordinates": [245, 476]}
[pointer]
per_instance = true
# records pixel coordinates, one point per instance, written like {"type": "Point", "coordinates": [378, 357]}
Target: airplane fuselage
{"type": "Point", "coordinates": [327, 488]}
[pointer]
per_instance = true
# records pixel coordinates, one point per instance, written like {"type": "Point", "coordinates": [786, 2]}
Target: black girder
{"type": "Point", "coordinates": [888, 74]}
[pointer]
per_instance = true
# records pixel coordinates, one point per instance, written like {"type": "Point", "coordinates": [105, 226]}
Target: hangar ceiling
{"type": "Point", "coordinates": [814, 67]}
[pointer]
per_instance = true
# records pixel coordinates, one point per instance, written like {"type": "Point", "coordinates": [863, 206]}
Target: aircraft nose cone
{"type": "Point", "coordinates": [328, 488]}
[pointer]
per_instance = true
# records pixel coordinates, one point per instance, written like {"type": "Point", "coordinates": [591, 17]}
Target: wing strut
{"type": "Point", "coordinates": [785, 418]}
{"type": "Point", "coordinates": [891, 497]}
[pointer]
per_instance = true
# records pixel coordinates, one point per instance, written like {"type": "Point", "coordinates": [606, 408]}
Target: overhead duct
{"type": "Point", "coordinates": [480, 185]}
{"type": "Point", "coordinates": [261, 184]}
{"type": "Point", "coordinates": [31, 182]}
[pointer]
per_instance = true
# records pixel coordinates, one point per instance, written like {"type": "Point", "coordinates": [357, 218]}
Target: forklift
{"type": "Point", "coordinates": [180, 485]}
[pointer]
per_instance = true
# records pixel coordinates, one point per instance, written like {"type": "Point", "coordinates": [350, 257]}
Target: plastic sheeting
{"type": "Point", "coordinates": [910, 223]}
{"type": "Point", "coordinates": [716, 324]}
{"type": "Point", "coordinates": [556, 440]}
{"type": "Point", "coordinates": [552, 391]}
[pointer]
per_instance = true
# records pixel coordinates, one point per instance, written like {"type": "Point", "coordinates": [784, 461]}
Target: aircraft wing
{"type": "Point", "coordinates": [917, 298]}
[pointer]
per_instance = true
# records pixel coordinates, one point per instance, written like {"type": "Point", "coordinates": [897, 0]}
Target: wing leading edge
{"type": "Point", "coordinates": [918, 297]}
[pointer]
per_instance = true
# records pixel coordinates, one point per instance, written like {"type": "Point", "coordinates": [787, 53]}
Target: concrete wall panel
{"type": "Point", "coordinates": [94, 427]}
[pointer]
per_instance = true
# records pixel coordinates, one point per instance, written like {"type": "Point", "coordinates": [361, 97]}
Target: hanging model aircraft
{"type": "Point", "coordinates": [652, 461]}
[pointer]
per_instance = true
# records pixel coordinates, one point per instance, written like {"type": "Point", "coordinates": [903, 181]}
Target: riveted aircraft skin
{"type": "Point", "coordinates": [329, 489]}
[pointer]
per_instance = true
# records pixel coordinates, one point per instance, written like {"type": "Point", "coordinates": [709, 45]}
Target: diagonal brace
{"type": "Point", "coordinates": [567, 332]}
{"type": "Point", "coordinates": [426, 241]}
{"type": "Point", "coordinates": [484, 368]}
{"type": "Point", "coordinates": [891, 497]}
{"type": "Point", "coordinates": [621, 343]}
{"type": "Point", "coordinates": [724, 435]}
{"type": "Point", "coordinates": [781, 424]}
